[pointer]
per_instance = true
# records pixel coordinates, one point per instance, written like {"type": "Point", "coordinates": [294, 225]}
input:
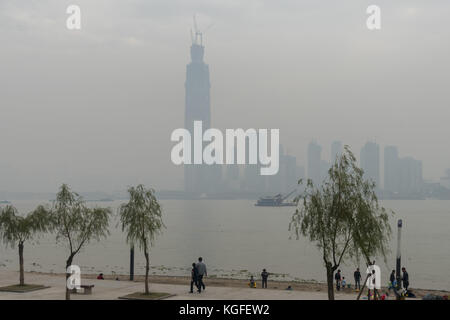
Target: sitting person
{"type": "Point", "coordinates": [343, 283]}
{"type": "Point", "coordinates": [252, 283]}
{"type": "Point", "coordinates": [100, 277]}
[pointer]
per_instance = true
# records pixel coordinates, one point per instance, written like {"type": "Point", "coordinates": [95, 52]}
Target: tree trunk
{"type": "Point", "coordinates": [22, 278]}
{"type": "Point", "coordinates": [330, 280]}
{"type": "Point", "coordinates": [68, 264]}
{"type": "Point", "coordinates": [147, 269]}
{"type": "Point", "coordinates": [364, 285]}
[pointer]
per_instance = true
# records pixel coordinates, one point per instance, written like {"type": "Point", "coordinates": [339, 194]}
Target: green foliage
{"type": "Point", "coordinates": [16, 229]}
{"type": "Point", "coordinates": [19, 229]}
{"type": "Point", "coordinates": [74, 223]}
{"type": "Point", "coordinates": [342, 216]}
{"type": "Point", "coordinates": [141, 217]}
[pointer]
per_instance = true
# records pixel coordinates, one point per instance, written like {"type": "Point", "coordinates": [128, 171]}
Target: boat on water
{"type": "Point", "coordinates": [275, 201]}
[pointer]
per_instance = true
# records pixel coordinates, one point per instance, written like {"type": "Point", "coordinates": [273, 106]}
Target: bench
{"type": "Point", "coordinates": [87, 289]}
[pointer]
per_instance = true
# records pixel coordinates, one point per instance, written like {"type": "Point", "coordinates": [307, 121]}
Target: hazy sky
{"type": "Point", "coordinates": [95, 108]}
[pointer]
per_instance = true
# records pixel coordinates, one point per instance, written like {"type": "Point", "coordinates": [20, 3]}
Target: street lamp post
{"type": "Point", "coordinates": [398, 262]}
{"type": "Point", "coordinates": [132, 263]}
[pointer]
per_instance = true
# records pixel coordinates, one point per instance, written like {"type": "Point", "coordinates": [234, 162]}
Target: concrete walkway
{"type": "Point", "coordinates": [110, 289]}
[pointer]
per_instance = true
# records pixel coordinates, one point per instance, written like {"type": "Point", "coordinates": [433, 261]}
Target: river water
{"type": "Point", "coordinates": [237, 239]}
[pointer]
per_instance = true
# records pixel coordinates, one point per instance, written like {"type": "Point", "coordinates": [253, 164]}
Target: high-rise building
{"type": "Point", "coordinates": [253, 181]}
{"type": "Point", "coordinates": [402, 176]}
{"type": "Point", "coordinates": [275, 182]}
{"type": "Point", "coordinates": [445, 180]}
{"type": "Point", "coordinates": [391, 175]}
{"type": "Point", "coordinates": [370, 162]}
{"type": "Point", "coordinates": [410, 173]}
{"type": "Point", "coordinates": [199, 178]}
{"type": "Point", "coordinates": [324, 168]}
{"type": "Point", "coordinates": [314, 162]}
{"type": "Point", "coordinates": [300, 173]}
{"type": "Point", "coordinates": [336, 150]}
{"type": "Point", "coordinates": [291, 178]}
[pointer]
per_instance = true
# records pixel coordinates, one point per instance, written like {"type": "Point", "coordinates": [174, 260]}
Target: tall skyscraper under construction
{"type": "Point", "coordinates": [199, 178]}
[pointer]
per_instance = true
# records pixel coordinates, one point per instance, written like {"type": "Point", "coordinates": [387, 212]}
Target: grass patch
{"type": "Point", "coordinates": [22, 289]}
{"type": "Point", "coordinates": [150, 296]}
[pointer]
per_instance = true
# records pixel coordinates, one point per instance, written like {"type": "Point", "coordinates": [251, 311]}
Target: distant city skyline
{"type": "Point", "coordinates": [95, 108]}
{"type": "Point", "coordinates": [403, 176]}
{"type": "Point", "coordinates": [370, 162]}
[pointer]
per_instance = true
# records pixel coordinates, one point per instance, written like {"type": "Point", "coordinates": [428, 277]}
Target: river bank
{"type": "Point", "coordinates": [303, 286]}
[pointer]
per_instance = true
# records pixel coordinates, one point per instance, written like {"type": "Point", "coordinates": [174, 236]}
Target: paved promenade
{"type": "Point", "coordinates": [110, 289]}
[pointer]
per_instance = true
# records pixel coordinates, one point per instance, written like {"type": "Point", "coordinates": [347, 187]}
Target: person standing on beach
{"type": "Point", "coordinates": [337, 277]}
{"type": "Point", "coordinates": [194, 278]}
{"type": "Point", "coordinates": [357, 276]}
{"type": "Point", "coordinates": [264, 276]}
{"type": "Point", "coordinates": [405, 279]}
{"type": "Point", "coordinates": [201, 269]}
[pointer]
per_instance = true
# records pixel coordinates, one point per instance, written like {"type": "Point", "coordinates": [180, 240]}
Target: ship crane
{"type": "Point", "coordinates": [288, 195]}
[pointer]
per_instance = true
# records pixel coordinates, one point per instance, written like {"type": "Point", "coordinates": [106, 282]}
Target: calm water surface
{"type": "Point", "coordinates": [236, 239]}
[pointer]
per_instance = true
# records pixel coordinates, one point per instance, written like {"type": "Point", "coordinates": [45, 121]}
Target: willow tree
{"type": "Point", "coordinates": [342, 217]}
{"type": "Point", "coordinates": [16, 229]}
{"type": "Point", "coordinates": [76, 225]}
{"type": "Point", "coordinates": [141, 219]}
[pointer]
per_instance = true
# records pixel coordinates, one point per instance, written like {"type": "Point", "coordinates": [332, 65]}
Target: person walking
{"type": "Point", "coordinates": [264, 276]}
{"type": "Point", "coordinates": [201, 269]}
{"type": "Point", "coordinates": [357, 276]}
{"type": "Point", "coordinates": [337, 277]}
{"type": "Point", "coordinates": [405, 279]}
{"type": "Point", "coordinates": [194, 278]}
{"type": "Point", "coordinates": [392, 281]}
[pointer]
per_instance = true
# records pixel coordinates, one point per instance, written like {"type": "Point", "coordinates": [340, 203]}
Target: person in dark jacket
{"type": "Point", "coordinates": [392, 277]}
{"type": "Point", "coordinates": [337, 277]}
{"type": "Point", "coordinates": [357, 276]}
{"type": "Point", "coordinates": [392, 280]}
{"type": "Point", "coordinates": [194, 277]}
{"type": "Point", "coordinates": [201, 269]}
{"type": "Point", "coordinates": [405, 279]}
{"type": "Point", "coordinates": [264, 276]}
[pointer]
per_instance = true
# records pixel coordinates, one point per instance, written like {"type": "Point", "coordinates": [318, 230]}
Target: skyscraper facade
{"type": "Point", "coordinates": [286, 179]}
{"type": "Point", "coordinates": [336, 150]}
{"type": "Point", "coordinates": [391, 163]}
{"type": "Point", "coordinates": [410, 176]}
{"type": "Point", "coordinates": [370, 162]}
{"type": "Point", "coordinates": [199, 178]}
{"type": "Point", "coordinates": [314, 162]}
{"type": "Point", "coordinates": [402, 176]}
